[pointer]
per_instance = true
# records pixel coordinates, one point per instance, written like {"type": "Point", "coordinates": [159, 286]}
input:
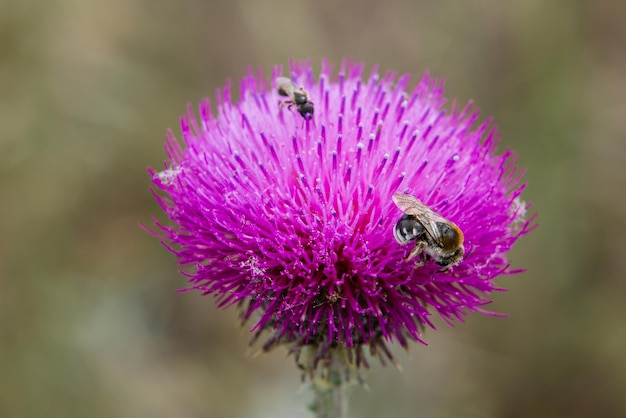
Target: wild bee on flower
{"type": "Point", "coordinates": [434, 236]}
{"type": "Point", "coordinates": [298, 97]}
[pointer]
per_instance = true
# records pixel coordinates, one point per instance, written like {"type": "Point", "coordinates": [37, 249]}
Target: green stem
{"type": "Point", "coordinates": [331, 391]}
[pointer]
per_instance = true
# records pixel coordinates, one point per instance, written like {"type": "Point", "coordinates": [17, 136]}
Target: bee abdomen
{"type": "Point", "coordinates": [407, 229]}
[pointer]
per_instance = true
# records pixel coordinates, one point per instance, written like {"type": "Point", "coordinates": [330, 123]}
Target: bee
{"type": "Point", "coordinates": [435, 237]}
{"type": "Point", "coordinates": [297, 96]}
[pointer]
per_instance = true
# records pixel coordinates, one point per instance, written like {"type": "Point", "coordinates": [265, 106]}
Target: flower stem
{"type": "Point", "coordinates": [331, 391]}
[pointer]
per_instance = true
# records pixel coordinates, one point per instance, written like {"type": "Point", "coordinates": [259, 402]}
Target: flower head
{"type": "Point", "coordinates": [292, 216]}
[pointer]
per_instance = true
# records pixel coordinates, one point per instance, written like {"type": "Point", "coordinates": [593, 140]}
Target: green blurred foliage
{"type": "Point", "coordinates": [89, 323]}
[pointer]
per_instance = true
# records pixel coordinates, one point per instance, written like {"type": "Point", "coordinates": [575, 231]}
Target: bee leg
{"type": "Point", "coordinates": [423, 258]}
{"type": "Point", "coordinates": [417, 250]}
{"type": "Point", "coordinates": [285, 102]}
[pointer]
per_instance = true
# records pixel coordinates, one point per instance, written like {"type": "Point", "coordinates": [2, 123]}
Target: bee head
{"type": "Point", "coordinates": [451, 259]}
{"type": "Point", "coordinates": [306, 109]}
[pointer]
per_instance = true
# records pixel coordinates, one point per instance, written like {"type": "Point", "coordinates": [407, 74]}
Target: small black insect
{"type": "Point", "coordinates": [298, 97]}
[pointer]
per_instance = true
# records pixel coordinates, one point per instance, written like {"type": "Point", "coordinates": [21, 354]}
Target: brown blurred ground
{"type": "Point", "coordinates": [89, 325]}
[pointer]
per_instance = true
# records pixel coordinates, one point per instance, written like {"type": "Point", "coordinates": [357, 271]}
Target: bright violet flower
{"type": "Point", "coordinates": [292, 217]}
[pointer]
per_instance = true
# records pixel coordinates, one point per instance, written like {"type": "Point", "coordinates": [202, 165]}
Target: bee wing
{"type": "Point", "coordinates": [285, 86]}
{"type": "Point", "coordinates": [424, 215]}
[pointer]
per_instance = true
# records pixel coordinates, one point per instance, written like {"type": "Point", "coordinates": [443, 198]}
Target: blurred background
{"type": "Point", "coordinates": [89, 323]}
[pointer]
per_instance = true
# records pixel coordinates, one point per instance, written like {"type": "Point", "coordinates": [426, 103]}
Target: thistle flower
{"type": "Point", "coordinates": [292, 217]}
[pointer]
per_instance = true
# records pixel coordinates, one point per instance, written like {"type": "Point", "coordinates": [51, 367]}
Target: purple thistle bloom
{"type": "Point", "coordinates": [292, 217]}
